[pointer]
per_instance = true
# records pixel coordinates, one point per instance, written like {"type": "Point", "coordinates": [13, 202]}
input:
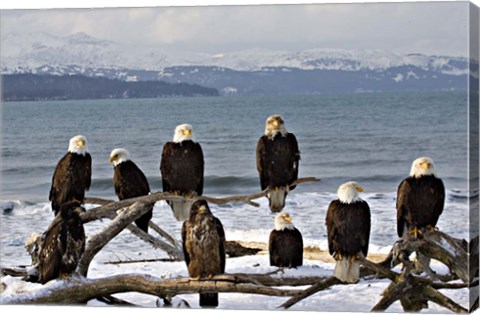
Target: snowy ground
{"type": "Point", "coordinates": [360, 297]}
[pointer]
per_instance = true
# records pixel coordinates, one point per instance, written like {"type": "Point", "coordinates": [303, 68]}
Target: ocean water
{"type": "Point", "coordinates": [369, 138]}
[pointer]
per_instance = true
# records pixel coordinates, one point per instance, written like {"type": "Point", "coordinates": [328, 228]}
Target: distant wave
{"type": "Point", "coordinates": [212, 184]}
{"type": "Point", "coordinates": [376, 187]}
{"type": "Point", "coordinates": [25, 207]}
{"type": "Point", "coordinates": [457, 194]}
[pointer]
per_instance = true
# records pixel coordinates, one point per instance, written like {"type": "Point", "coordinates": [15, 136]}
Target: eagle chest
{"type": "Point", "coordinates": [202, 234]}
{"type": "Point", "coordinates": [203, 248]}
{"type": "Point", "coordinates": [279, 149]}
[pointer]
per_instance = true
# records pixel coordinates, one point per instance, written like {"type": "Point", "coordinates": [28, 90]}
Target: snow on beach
{"type": "Point", "coordinates": [239, 226]}
{"type": "Point", "coordinates": [360, 297]}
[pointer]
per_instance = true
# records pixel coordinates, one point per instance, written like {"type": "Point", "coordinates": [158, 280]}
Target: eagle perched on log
{"type": "Point", "coordinates": [181, 168]}
{"type": "Point", "coordinates": [203, 240]}
{"type": "Point", "coordinates": [278, 158]}
{"type": "Point", "coordinates": [348, 229]}
{"type": "Point", "coordinates": [129, 182]}
{"type": "Point", "coordinates": [72, 176]}
{"type": "Point", "coordinates": [63, 244]}
{"type": "Point", "coordinates": [420, 198]}
{"type": "Point", "coordinates": [285, 244]}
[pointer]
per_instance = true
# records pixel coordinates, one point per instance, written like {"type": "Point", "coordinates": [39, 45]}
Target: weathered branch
{"type": "Point", "coordinates": [97, 241]}
{"type": "Point", "coordinates": [108, 209]}
{"type": "Point", "coordinates": [173, 252]}
{"type": "Point", "coordinates": [390, 295]}
{"type": "Point", "coordinates": [14, 271]}
{"type": "Point", "coordinates": [164, 234]}
{"type": "Point", "coordinates": [414, 292]}
{"type": "Point", "coordinates": [378, 269]}
{"type": "Point", "coordinates": [270, 280]}
{"type": "Point", "coordinates": [80, 290]}
{"type": "Point", "coordinates": [248, 198]}
{"type": "Point", "coordinates": [442, 300]}
{"type": "Point", "coordinates": [104, 211]}
{"type": "Point", "coordinates": [439, 246]}
{"type": "Point", "coordinates": [322, 285]}
{"type": "Point", "coordinates": [452, 286]}
{"type": "Point", "coordinates": [473, 254]}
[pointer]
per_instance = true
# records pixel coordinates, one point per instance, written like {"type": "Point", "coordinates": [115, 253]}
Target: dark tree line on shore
{"type": "Point", "coordinates": [31, 87]}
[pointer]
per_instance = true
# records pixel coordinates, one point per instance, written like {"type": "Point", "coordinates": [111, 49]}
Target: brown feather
{"type": "Point", "coordinates": [420, 202]}
{"type": "Point", "coordinates": [71, 178]}
{"type": "Point", "coordinates": [203, 240]}
{"type": "Point", "coordinates": [63, 244]}
{"type": "Point", "coordinates": [129, 182]}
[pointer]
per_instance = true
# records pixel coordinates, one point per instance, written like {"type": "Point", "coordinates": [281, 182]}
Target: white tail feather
{"type": "Point", "coordinates": [277, 199]}
{"type": "Point", "coordinates": [181, 209]}
{"type": "Point", "coordinates": [347, 271]}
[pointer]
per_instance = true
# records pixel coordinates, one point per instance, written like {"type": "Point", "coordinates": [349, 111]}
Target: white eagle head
{"type": "Point", "coordinates": [283, 221]}
{"type": "Point", "coordinates": [423, 166]}
{"type": "Point", "coordinates": [118, 156]}
{"type": "Point", "coordinates": [183, 132]}
{"type": "Point", "coordinates": [273, 125]}
{"type": "Point", "coordinates": [349, 192]}
{"type": "Point", "coordinates": [78, 145]}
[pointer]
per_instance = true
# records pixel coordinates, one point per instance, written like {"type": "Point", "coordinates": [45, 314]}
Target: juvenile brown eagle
{"type": "Point", "coordinates": [203, 240]}
{"type": "Point", "coordinates": [63, 244]}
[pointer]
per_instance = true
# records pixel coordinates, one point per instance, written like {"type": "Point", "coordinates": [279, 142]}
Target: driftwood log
{"type": "Point", "coordinates": [79, 290]}
{"type": "Point", "coordinates": [414, 292]}
{"type": "Point", "coordinates": [412, 287]}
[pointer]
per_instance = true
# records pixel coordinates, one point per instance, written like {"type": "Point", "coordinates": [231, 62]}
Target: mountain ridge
{"type": "Point", "coordinates": [230, 72]}
{"type": "Point", "coordinates": [38, 49]}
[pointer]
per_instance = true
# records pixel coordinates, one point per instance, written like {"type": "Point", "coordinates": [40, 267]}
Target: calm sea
{"type": "Point", "coordinates": [370, 138]}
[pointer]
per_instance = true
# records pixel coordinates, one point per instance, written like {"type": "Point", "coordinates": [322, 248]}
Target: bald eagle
{"type": "Point", "coordinates": [129, 182]}
{"type": "Point", "coordinates": [420, 198]}
{"type": "Point", "coordinates": [72, 176]}
{"type": "Point", "coordinates": [182, 168]}
{"type": "Point", "coordinates": [278, 158]}
{"type": "Point", "coordinates": [203, 240]}
{"type": "Point", "coordinates": [285, 245]}
{"type": "Point", "coordinates": [348, 230]}
{"type": "Point", "coordinates": [63, 244]}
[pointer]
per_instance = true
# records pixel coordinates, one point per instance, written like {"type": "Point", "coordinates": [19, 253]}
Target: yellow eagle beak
{"type": "Point", "coordinates": [360, 189]}
{"type": "Point", "coordinates": [425, 165]}
{"type": "Point", "coordinates": [186, 132]}
{"type": "Point", "coordinates": [111, 159]}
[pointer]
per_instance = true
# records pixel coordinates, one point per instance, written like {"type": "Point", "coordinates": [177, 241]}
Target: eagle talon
{"type": "Point", "coordinates": [415, 232]}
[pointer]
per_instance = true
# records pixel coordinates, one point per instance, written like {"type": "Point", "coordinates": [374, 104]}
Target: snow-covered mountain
{"type": "Point", "coordinates": [34, 50]}
{"type": "Point", "coordinates": [83, 54]}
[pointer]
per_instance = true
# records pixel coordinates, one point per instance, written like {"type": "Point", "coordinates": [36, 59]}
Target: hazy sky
{"type": "Point", "coordinates": [408, 27]}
